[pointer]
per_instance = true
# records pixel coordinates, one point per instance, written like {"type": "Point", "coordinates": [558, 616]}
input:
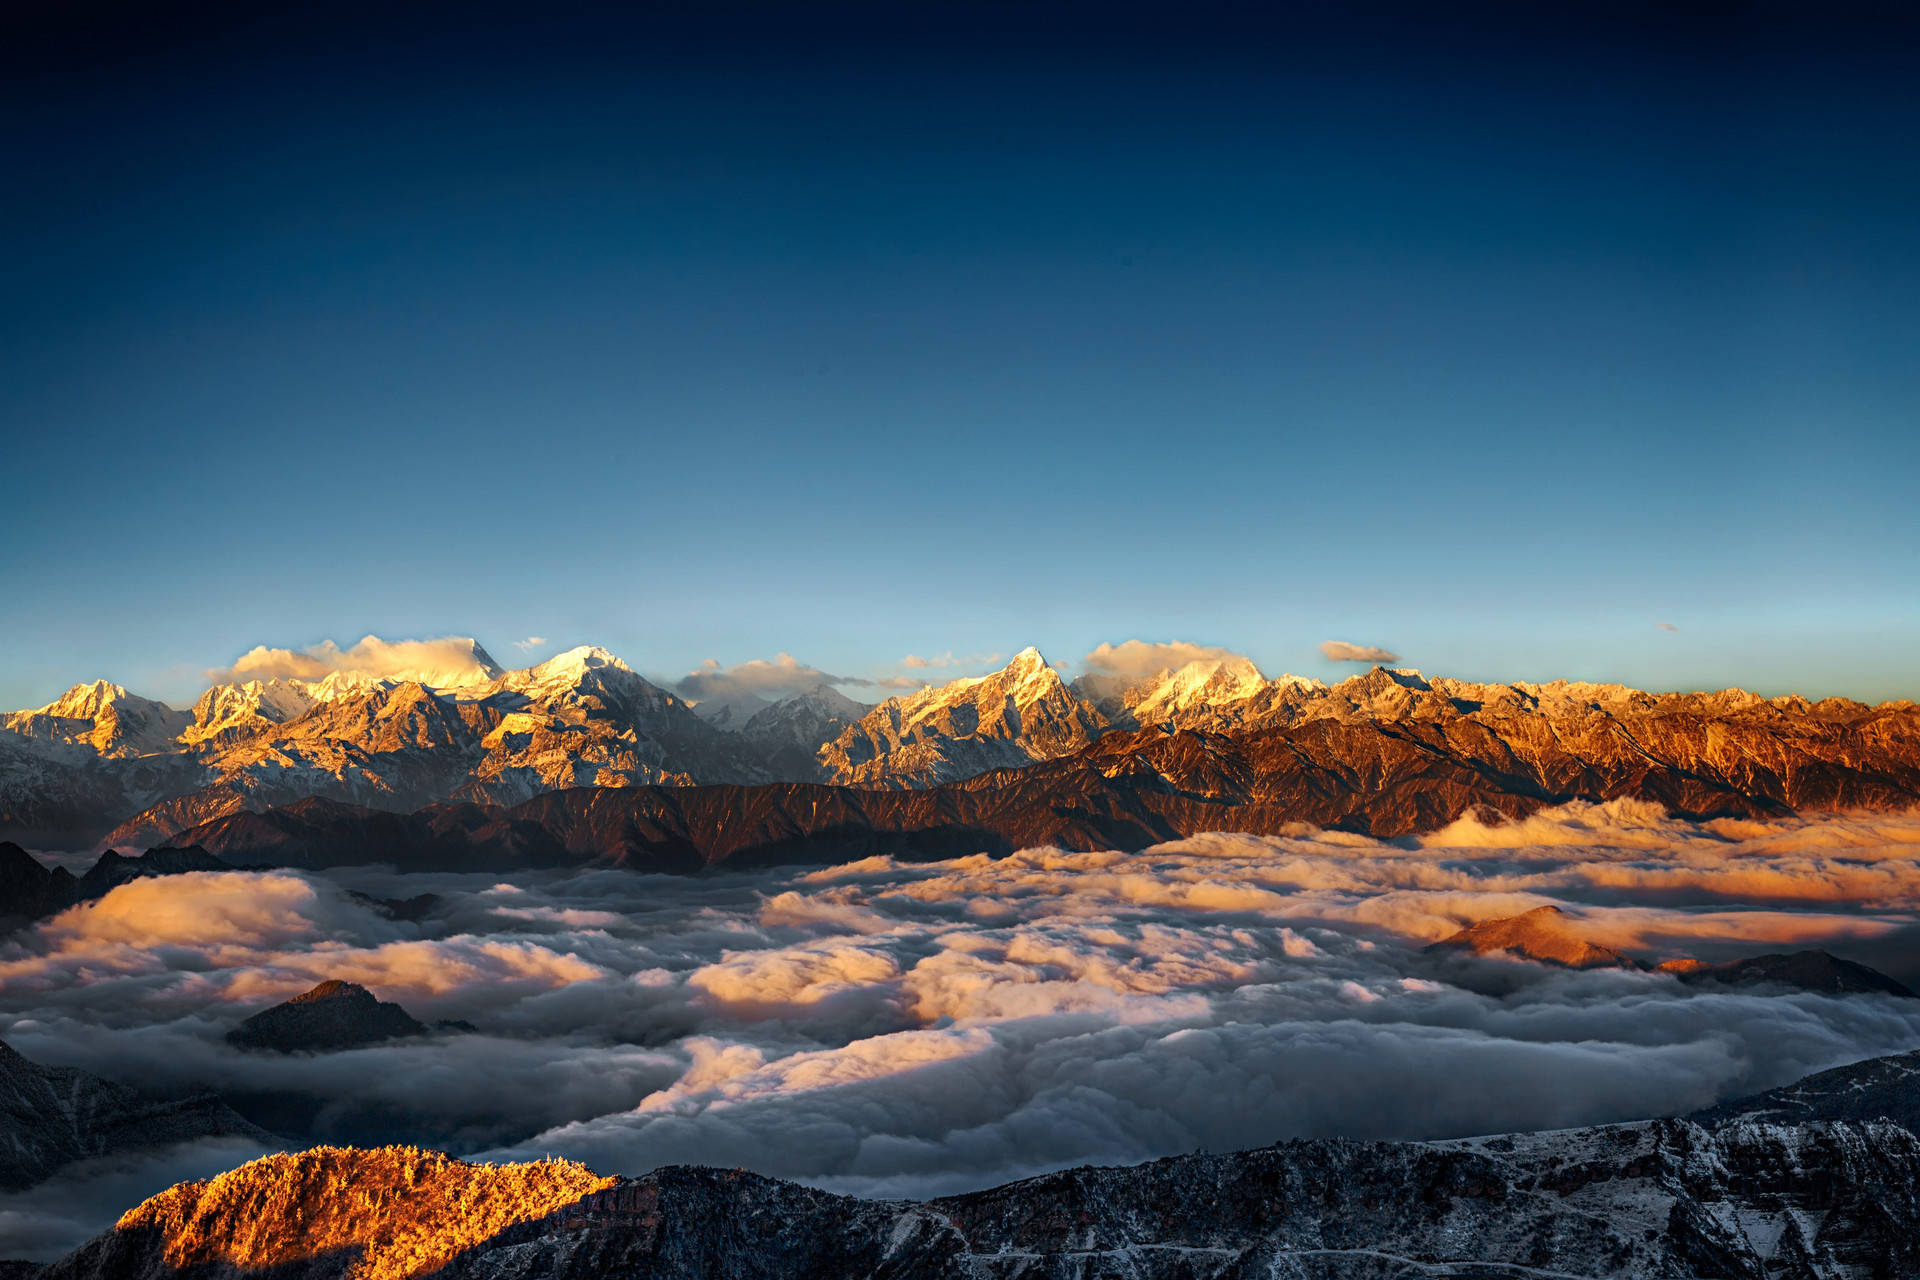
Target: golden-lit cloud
{"type": "Point", "coordinates": [1141, 659]}
{"type": "Point", "coordinates": [1345, 651]}
{"type": "Point", "coordinates": [914, 662]}
{"type": "Point", "coordinates": [447, 661]}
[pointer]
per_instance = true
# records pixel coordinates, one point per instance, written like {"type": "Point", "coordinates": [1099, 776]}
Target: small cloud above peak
{"type": "Point", "coordinates": [1345, 651]}
{"type": "Point", "coordinates": [530, 644]}
{"type": "Point", "coordinates": [1666, 626]}
{"type": "Point", "coordinates": [1142, 659]}
{"type": "Point", "coordinates": [443, 662]}
{"type": "Point", "coordinates": [914, 662]}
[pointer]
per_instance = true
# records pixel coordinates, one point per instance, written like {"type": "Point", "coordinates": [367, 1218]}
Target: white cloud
{"type": "Point", "coordinates": [1666, 626]}
{"type": "Point", "coordinates": [445, 661]}
{"type": "Point", "coordinates": [914, 662]}
{"type": "Point", "coordinates": [1342, 651]}
{"type": "Point", "coordinates": [530, 644]}
{"type": "Point", "coordinates": [1140, 659]}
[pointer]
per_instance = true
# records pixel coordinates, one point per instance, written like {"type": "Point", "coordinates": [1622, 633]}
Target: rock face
{"type": "Point", "coordinates": [1126, 791]}
{"type": "Point", "coordinates": [1013, 717]}
{"type": "Point", "coordinates": [1877, 1089]}
{"type": "Point", "coordinates": [1544, 934]}
{"type": "Point", "coordinates": [53, 1116]}
{"type": "Point", "coordinates": [1668, 1198]}
{"type": "Point", "coordinates": [333, 1015]}
{"type": "Point", "coordinates": [789, 733]}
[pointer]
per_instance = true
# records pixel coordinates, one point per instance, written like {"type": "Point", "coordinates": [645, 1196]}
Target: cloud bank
{"type": "Point", "coordinates": [446, 661]}
{"type": "Point", "coordinates": [899, 1028]}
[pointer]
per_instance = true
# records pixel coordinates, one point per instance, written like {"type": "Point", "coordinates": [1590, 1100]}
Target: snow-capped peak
{"type": "Point", "coordinates": [85, 701]}
{"type": "Point", "coordinates": [587, 657]}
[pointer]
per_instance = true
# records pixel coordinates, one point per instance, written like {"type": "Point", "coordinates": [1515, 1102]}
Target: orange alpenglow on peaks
{"type": "Point", "coordinates": [1543, 934]}
{"type": "Point", "coordinates": [404, 1212]}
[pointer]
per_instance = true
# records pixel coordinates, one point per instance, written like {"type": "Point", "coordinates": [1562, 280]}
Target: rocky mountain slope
{"type": "Point", "coordinates": [1796, 970]}
{"type": "Point", "coordinates": [1543, 934]}
{"type": "Point", "coordinates": [582, 718]}
{"type": "Point", "coordinates": [1131, 790]}
{"type": "Point", "coordinates": [1885, 1088]}
{"type": "Point", "coordinates": [31, 891]}
{"type": "Point", "coordinates": [1668, 1199]}
{"type": "Point", "coordinates": [53, 1116]}
{"type": "Point", "coordinates": [1387, 751]}
{"type": "Point", "coordinates": [333, 1015]}
{"type": "Point", "coordinates": [1013, 717]}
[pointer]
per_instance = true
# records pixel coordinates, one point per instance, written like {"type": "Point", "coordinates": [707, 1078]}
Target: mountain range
{"type": "Point", "coordinates": [1736, 1195]}
{"type": "Point", "coordinates": [1212, 744]}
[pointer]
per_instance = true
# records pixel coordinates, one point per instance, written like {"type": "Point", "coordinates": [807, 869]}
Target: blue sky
{"type": "Point", "coordinates": [896, 336]}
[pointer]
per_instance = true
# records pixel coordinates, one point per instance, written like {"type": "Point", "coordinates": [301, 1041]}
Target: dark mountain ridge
{"type": "Point", "coordinates": [1125, 791]}
{"type": "Point", "coordinates": [53, 1116]}
{"type": "Point", "coordinates": [1668, 1199]}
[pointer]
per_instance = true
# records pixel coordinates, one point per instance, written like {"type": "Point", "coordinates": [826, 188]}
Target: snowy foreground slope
{"type": "Point", "coordinates": [1669, 1198]}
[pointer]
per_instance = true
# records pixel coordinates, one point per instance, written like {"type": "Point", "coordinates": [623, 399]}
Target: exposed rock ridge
{"type": "Point", "coordinates": [53, 1116]}
{"type": "Point", "coordinates": [1822, 1201]}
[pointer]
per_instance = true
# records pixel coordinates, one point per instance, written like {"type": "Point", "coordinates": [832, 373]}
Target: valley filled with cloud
{"type": "Point", "coordinates": [897, 1028]}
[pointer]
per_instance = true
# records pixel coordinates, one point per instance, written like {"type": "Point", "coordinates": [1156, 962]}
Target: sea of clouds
{"type": "Point", "coordinates": [897, 1028]}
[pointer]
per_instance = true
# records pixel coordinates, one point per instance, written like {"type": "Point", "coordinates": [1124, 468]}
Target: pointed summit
{"type": "Point", "coordinates": [1008, 718]}
{"type": "Point", "coordinates": [332, 1015]}
{"type": "Point", "coordinates": [1545, 934]}
{"type": "Point", "coordinates": [102, 716]}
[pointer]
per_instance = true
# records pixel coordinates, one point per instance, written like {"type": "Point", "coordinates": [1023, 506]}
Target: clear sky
{"type": "Point", "coordinates": [1494, 341]}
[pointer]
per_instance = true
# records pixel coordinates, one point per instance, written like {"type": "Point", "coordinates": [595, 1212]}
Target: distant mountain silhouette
{"type": "Point", "coordinates": [334, 1015]}
{"type": "Point", "coordinates": [1801, 970]}
{"type": "Point", "coordinates": [53, 1116]}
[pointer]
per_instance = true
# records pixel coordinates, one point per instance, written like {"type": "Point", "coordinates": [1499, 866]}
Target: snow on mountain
{"type": "Point", "coordinates": [247, 707]}
{"type": "Point", "coordinates": [1012, 717]}
{"type": "Point", "coordinates": [730, 712]}
{"type": "Point", "coordinates": [1213, 694]}
{"type": "Point", "coordinates": [104, 717]}
{"type": "Point", "coordinates": [99, 756]}
{"type": "Point", "coordinates": [789, 733]}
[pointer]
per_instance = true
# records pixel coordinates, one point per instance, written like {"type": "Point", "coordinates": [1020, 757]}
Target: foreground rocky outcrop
{"type": "Point", "coordinates": [1665, 1199]}
{"type": "Point", "coordinates": [53, 1116]}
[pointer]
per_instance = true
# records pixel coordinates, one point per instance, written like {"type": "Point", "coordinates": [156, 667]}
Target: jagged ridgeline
{"type": "Point", "coordinates": [1016, 757]}
{"type": "Point", "coordinates": [1658, 1199]}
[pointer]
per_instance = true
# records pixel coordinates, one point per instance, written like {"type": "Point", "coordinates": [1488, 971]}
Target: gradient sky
{"type": "Point", "coordinates": [1495, 342]}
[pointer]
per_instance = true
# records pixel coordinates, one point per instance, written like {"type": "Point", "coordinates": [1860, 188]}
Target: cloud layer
{"type": "Point", "coordinates": [888, 1027]}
